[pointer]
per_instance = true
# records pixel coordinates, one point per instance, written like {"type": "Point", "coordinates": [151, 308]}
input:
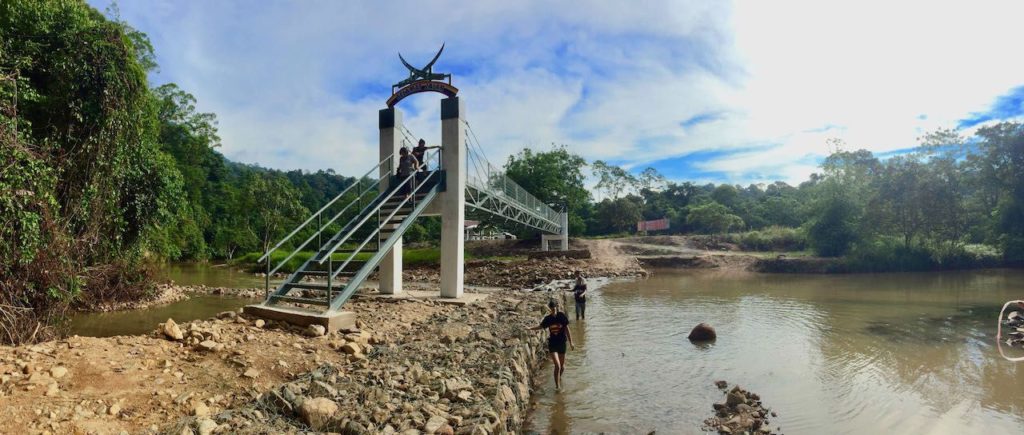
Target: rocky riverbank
{"type": "Point", "coordinates": [1014, 325]}
{"type": "Point", "coordinates": [527, 274]}
{"type": "Point", "coordinates": [740, 413]}
{"type": "Point", "coordinates": [165, 294]}
{"type": "Point", "coordinates": [414, 366]}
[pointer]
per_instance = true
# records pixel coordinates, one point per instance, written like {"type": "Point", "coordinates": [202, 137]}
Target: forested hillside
{"type": "Point", "coordinates": [102, 175]}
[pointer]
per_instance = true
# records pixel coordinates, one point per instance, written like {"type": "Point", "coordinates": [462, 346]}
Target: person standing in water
{"type": "Point", "coordinates": [579, 293]}
{"type": "Point", "coordinates": [557, 324]}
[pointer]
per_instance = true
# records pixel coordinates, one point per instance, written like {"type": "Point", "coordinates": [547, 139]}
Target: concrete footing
{"type": "Point", "coordinates": [333, 321]}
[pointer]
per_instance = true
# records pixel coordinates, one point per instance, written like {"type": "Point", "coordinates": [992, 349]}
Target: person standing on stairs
{"type": "Point", "coordinates": [407, 165]}
{"type": "Point", "coordinates": [420, 152]}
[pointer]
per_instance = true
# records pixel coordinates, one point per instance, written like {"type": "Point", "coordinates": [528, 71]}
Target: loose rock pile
{"type": "Point", "coordinates": [412, 366]}
{"type": "Point", "coordinates": [460, 371]}
{"type": "Point", "coordinates": [1014, 325]}
{"type": "Point", "coordinates": [525, 274]}
{"type": "Point", "coordinates": [165, 294]}
{"type": "Point", "coordinates": [741, 413]}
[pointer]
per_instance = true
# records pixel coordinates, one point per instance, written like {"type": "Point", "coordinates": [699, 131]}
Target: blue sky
{"type": "Point", "coordinates": [739, 92]}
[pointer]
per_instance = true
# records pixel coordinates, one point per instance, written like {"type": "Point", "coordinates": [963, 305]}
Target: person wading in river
{"type": "Point", "coordinates": [557, 324]}
{"type": "Point", "coordinates": [579, 293]}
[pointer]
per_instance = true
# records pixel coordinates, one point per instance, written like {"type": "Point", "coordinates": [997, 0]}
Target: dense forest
{"type": "Point", "coordinates": [103, 175]}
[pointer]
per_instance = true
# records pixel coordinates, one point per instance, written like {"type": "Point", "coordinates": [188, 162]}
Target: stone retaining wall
{"type": "Point", "coordinates": [457, 370]}
{"type": "Point", "coordinates": [572, 253]}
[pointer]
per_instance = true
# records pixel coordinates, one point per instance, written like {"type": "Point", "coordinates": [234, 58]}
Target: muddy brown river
{"type": "Point", "coordinates": [144, 321]}
{"type": "Point", "coordinates": [838, 354]}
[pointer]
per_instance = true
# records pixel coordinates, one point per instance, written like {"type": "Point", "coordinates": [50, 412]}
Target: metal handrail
{"type": "Point", "coordinates": [356, 251]}
{"type": "Point", "coordinates": [331, 202]}
{"type": "Point", "coordinates": [325, 225]}
{"type": "Point", "coordinates": [486, 179]}
{"type": "Point", "coordinates": [353, 284]}
{"type": "Point", "coordinates": [369, 214]}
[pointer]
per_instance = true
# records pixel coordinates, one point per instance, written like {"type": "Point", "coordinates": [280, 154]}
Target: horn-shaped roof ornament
{"type": "Point", "coordinates": [424, 79]}
{"type": "Point", "coordinates": [425, 73]}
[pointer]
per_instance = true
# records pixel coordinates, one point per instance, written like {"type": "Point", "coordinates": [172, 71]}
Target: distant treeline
{"type": "Point", "coordinates": [951, 202]}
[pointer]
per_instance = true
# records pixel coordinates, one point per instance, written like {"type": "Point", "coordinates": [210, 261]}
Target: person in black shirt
{"type": "Point", "coordinates": [579, 293]}
{"type": "Point", "coordinates": [557, 324]}
{"type": "Point", "coordinates": [420, 151]}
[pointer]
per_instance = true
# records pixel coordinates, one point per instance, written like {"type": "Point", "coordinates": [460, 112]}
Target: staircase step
{"type": "Point", "coordinates": [295, 300]}
{"type": "Point", "coordinates": [312, 286]}
{"type": "Point", "coordinates": [320, 270]}
{"type": "Point", "coordinates": [304, 273]}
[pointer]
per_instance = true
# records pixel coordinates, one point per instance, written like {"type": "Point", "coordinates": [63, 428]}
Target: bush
{"type": "Point", "coordinates": [891, 255]}
{"type": "Point", "coordinates": [771, 239]}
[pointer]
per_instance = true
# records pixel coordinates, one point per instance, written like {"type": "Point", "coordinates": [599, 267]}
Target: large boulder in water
{"type": "Point", "coordinates": [702, 332]}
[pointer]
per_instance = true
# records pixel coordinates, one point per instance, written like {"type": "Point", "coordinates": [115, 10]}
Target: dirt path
{"type": "Point", "coordinates": [609, 254]}
{"type": "Point", "coordinates": [681, 252]}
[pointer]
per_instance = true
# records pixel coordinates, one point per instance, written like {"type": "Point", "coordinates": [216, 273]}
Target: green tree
{"type": "Point", "coordinates": [651, 179]}
{"type": "Point", "coordinates": [900, 204]}
{"type": "Point", "coordinates": [613, 179]}
{"type": "Point", "coordinates": [1001, 165]}
{"type": "Point", "coordinates": [274, 205]}
{"type": "Point", "coordinates": [713, 218]}
{"type": "Point", "coordinates": [833, 228]}
{"type": "Point", "coordinates": [102, 194]}
{"type": "Point", "coordinates": [618, 215]}
{"type": "Point", "coordinates": [554, 177]}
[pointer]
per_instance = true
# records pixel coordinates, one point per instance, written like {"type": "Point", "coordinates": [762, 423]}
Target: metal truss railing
{"type": "Point", "coordinates": [489, 190]}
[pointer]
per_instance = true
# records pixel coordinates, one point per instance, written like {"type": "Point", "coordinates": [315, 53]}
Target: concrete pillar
{"type": "Point", "coordinates": [453, 201]}
{"type": "Point", "coordinates": [390, 121]}
{"type": "Point", "coordinates": [565, 230]}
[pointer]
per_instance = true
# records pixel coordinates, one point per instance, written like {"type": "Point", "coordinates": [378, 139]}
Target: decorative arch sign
{"type": "Point", "coordinates": [422, 80]}
{"type": "Point", "coordinates": [422, 86]}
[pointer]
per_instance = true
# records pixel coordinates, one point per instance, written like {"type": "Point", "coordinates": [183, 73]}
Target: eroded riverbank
{"type": "Point", "coordinates": [413, 366]}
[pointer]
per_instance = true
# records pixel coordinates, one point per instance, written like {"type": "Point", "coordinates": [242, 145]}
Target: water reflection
{"type": "Point", "coordinates": [908, 353]}
{"type": "Point", "coordinates": [211, 275]}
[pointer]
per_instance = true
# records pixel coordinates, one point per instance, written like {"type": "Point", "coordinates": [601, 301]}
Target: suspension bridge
{"type": "Point", "coordinates": [359, 232]}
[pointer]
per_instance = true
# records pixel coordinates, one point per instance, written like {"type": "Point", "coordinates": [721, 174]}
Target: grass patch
{"type": "Point", "coordinates": [891, 255]}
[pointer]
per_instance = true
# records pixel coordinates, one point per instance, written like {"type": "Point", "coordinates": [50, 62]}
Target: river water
{"type": "Point", "coordinates": [143, 321]}
{"type": "Point", "coordinates": [834, 354]}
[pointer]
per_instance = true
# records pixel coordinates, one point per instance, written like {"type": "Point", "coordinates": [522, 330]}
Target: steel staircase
{"type": "Point", "coordinates": [340, 264]}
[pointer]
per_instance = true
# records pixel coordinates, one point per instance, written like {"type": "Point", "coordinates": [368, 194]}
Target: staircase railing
{"type": "Point", "coordinates": [364, 272]}
{"type": "Point", "coordinates": [410, 180]}
{"type": "Point", "coordinates": [362, 190]}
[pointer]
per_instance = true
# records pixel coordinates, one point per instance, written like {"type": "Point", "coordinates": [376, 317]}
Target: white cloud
{"type": "Point", "coordinates": [298, 85]}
